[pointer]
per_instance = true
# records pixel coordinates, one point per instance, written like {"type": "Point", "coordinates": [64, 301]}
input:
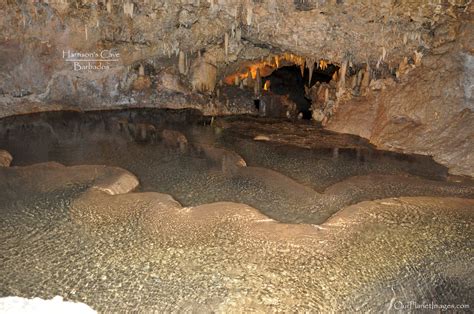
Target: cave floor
{"type": "Point", "coordinates": [297, 229]}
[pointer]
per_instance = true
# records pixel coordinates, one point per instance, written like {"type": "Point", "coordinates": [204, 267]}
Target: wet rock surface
{"type": "Point", "coordinates": [199, 164]}
{"type": "Point", "coordinates": [226, 257]}
{"type": "Point", "coordinates": [224, 240]}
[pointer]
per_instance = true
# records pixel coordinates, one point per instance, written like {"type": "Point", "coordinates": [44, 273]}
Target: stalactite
{"type": "Point", "coordinates": [182, 63]}
{"type": "Point", "coordinates": [109, 6]}
{"type": "Point", "coordinates": [364, 85]}
{"type": "Point", "coordinates": [402, 68]}
{"type": "Point", "coordinates": [359, 79]}
{"type": "Point", "coordinates": [354, 82]}
{"type": "Point", "coordinates": [417, 58]}
{"type": "Point", "coordinates": [258, 83]}
{"type": "Point", "coordinates": [86, 33]}
{"type": "Point", "coordinates": [342, 76]}
{"type": "Point", "coordinates": [237, 80]}
{"type": "Point", "coordinates": [128, 9]}
{"type": "Point", "coordinates": [310, 65]}
{"type": "Point", "coordinates": [187, 63]}
{"type": "Point", "coordinates": [249, 16]}
{"type": "Point", "coordinates": [238, 34]}
{"type": "Point", "coordinates": [323, 64]}
{"type": "Point", "coordinates": [226, 43]}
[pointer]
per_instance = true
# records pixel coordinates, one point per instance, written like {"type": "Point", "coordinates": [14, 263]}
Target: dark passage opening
{"type": "Point", "coordinates": [288, 80]}
{"type": "Point", "coordinates": [256, 103]}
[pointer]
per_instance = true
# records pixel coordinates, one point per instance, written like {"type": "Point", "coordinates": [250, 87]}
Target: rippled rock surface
{"type": "Point", "coordinates": [205, 232]}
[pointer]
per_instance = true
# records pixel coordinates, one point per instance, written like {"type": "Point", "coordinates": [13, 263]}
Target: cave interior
{"type": "Point", "coordinates": [236, 156]}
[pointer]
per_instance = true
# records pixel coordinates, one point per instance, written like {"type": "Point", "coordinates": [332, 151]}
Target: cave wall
{"type": "Point", "coordinates": [429, 111]}
{"type": "Point", "coordinates": [175, 54]}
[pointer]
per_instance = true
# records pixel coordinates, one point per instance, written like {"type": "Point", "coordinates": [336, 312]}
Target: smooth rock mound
{"type": "Point", "coordinates": [5, 158]}
{"type": "Point", "coordinates": [117, 182]}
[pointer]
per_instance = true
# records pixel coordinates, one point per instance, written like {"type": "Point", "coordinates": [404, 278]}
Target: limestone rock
{"type": "Point", "coordinates": [5, 158]}
{"type": "Point", "coordinates": [436, 119]}
{"type": "Point", "coordinates": [141, 83]}
{"type": "Point", "coordinates": [174, 139]}
{"type": "Point", "coordinates": [117, 184]}
{"type": "Point", "coordinates": [204, 76]}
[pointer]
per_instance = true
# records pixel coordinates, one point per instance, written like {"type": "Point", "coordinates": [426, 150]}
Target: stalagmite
{"type": "Point", "coordinates": [141, 70]}
{"type": "Point", "coordinates": [182, 63]}
{"type": "Point", "coordinates": [109, 6]}
{"type": "Point", "coordinates": [237, 80]}
{"type": "Point", "coordinates": [226, 43]}
{"type": "Point", "coordinates": [85, 32]}
{"type": "Point", "coordinates": [326, 95]}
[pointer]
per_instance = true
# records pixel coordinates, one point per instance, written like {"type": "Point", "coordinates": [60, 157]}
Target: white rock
{"type": "Point", "coordinates": [18, 305]}
{"type": "Point", "coordinates": [261, 138]}
{"type": "Point", "coordinates": [115, 185]}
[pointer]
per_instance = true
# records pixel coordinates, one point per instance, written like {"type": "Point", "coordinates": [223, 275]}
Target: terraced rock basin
{"type": "Point", "coordinates": [161, 211]}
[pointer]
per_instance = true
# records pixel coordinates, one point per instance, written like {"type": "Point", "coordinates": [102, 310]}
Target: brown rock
{"type": "Point", "coordinates": [5, 158]}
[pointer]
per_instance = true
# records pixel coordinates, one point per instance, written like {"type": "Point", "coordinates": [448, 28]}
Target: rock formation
{"type": "Point", "coordinates": [404, 78]}
{"type": "Point", "coordinates": [5, 158]}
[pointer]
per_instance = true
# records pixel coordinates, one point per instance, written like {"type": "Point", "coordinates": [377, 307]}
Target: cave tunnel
{"type": "Point", "coordinates": [289, 80]}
